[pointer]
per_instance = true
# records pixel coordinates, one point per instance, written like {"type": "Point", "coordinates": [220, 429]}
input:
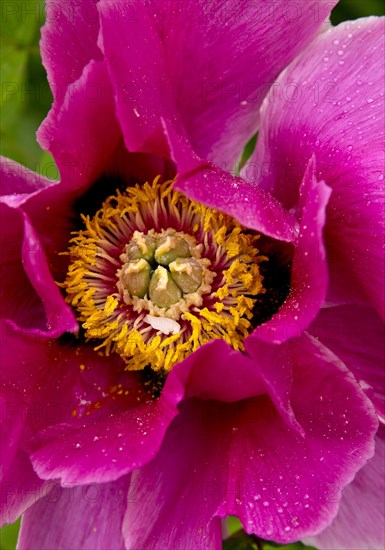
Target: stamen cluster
{"type": "Point", "coordinates": [153, 276]}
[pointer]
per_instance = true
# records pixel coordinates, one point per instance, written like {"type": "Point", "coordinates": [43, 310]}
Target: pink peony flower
{"type": "Point", "coordinates": [174, 353]}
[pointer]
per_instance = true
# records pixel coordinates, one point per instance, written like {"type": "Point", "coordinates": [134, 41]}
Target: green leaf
{"type": "Point", "coordinates": [25, 95]}
{"type": "Point", "coordinates": [13, 63]}
{"type": "Point", "coordinates": [242, 541]}
{"type": "Point", "coordinates": [247, 152]}
{"type": "Point", "coordinates": [8, 536]}
{"type": "Point", "coordinates": [20, 19]}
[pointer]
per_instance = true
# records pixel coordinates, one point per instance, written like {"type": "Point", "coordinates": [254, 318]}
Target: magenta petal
{"type": "Point", "coordinates": [198, 374]}
{"type": "Point", "coordinates": [275, 366]}
{"type": "Point", "coordinates": [106, 449]}
{"type": "Point", "coordinates": [205, 183]}
{"type": "Point", "coordinates": [17, 183]}
{"type": "Point", "coordinates": [82, 132]}
{"type": "Point", "coordinates": [69, 42]}
{"type": "Point", "coordinates": [242, 459]}
{"type": "Point", "coordinates": [361, 516]}
{"type": "Point", "coordinates": [258, 372]}
{"type": "Point", "coordinates": [212, 83]}
{"type": "Point", "coordinates": [88, 517]}
{"type": "Point", "coordinates": [180, 477]}
{"type": "Point", "coordinates": [309, 271]}
{"type": "Point", "coordinates": [83, 429]}
{"type": "Point", "coordinates": [344, 288]}
{"type": "Point", "coordinates": [20, 487]}
{"type": "Point", "coordinates": [19, 300]}
{"type": "Point", "coordinates": [30, 296]}
{"type": "Point", "coordinates": [116, 433]}
{"type": "Point", "coordinates": [356, 334]}
{"type": "Point", "coordinates": [330, 102]}
{"type": "Point", "coordinates": [59, 314]}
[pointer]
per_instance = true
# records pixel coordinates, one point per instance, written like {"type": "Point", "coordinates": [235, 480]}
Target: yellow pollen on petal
{"type": "Point", "coordinates": [217, 248]}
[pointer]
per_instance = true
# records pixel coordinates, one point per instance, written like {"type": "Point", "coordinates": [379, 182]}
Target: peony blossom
{"type": "Point", "coordinates": [181, 341]}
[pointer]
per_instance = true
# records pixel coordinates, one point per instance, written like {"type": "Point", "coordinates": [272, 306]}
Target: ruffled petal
{"type": "Point", "coordinates": [114, 424]}
{"type": "Point", "coordinates": [69, 42]}
{"type": "Point", "coordinates": [30, 296]}
{"type": "Point", "coordinates": [361, 515]}
{"type": "Point", "coordinates": [107, 448]}
{"type": "Point", "coordinates": [356, 335]}
{"type": "Point", "coordinates": [242, 459]}
{"type": "Point", "coordinates": [309, 276]}
{"type": "Point", "coordinates": [17, 182]}
{"type": "Point", "coordinates": [151, 61]}
{"type": "Point", "coordinates": [205, 183]}
{"type": "Point", "coordinates": [20, 487]}
{"type": "Point", "coordinates": [330, 102]}
{"type": "Point", "coordinates": [82, 132]}
{"type": "Point", "coordinates": [85, 418]}
{"type": "Point", "coordinates": [199, 374]}
{"type": "Point", "coordinates": [88, 517]}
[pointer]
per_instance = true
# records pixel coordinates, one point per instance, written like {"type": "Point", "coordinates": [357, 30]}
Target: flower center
{"type": "Point", "coordinates": [163, 273]}
{"type": "Point", "coordinates": [153, 276]}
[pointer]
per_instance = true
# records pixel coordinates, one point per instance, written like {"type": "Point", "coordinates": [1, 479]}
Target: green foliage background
{"type": "Point", "coordinates": [25, 101]}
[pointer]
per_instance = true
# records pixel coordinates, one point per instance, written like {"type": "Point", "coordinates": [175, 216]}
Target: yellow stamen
{"type": "Point", "coordinates": [220, 249]}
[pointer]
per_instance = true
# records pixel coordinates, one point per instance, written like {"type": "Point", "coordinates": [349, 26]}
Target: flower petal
{"type": "Point", "coordinates": [309, 277]}
{"type": "Point", "coordinates": [199, 374]}
{"type": "Point", "coordinates": [69, 42]}
{"type": "Point", "coordinates": [30, 296]}
{"type": "Point", "coordinates": [20, 487]}
{"type": "Point", "coordinates": [87, 422]}
{"type": "Point", "coordinates": [114, 422]}
{"type": "Point", "coordinates": [361, 516]}
{"type": "Point", "coordinates": [356, 334]}
{"type": "Point", "coordinates": [82, 132]}
{"type": "Point", "coordinates": [205, 183]}
{"type": "Point", "coordinates": [150, 62]}
{"type": "Point", "coordinates": [87, 517]}
{"type": "Point", "coordinates": [17, 182]}
{"type": "Point", "coordinates": [106, 449]}
{"type": "Point", "coordinates": [330, 102]}
{"type": "Point", "coordinates": [241, 459]}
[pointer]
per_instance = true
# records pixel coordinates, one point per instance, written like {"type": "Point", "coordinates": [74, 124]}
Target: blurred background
{"type": "Point", "coordinates": [26, 99]}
